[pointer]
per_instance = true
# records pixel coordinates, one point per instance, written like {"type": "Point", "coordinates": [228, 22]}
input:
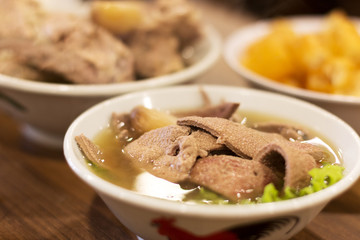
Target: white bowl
{"type": "Point", "coordinates": [137, 211]}
{"type": "Point", "coordinates": [49, 108]}
{"type": "Point", "coordinates": [237, 43]}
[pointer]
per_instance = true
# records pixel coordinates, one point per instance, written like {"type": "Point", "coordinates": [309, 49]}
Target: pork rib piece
{"type": "Point", "coordinates": [68, 45]}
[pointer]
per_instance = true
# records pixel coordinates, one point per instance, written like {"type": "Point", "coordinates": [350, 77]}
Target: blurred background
{"type": "Point", "coordinates": [275, 8]}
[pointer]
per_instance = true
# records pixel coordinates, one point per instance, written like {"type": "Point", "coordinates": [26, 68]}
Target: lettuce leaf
{"type": "Point", "coordinates": [320, 178]}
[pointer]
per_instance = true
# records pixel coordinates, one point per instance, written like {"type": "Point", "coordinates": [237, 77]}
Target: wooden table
{"type": "Point", "coordinates": [41, 198]}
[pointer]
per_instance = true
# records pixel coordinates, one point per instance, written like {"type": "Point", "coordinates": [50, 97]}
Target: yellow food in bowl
{"type": "Point", "coordinates": [118, 17]}
{"type": "Point", "coordinates": [326, 61]}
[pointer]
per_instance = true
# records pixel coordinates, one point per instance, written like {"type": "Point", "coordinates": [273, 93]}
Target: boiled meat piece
{"type": "Point", "coordinates": [90, 150]}
{"type": "Point", "coordinates": [68, 45]}
{"type": "Point", "coordinates": [289, 160]}
{"type": "Point", "coordinates": [20, 18]}
{"type": "Point", "coordinates": [170, 152]}
{"type": "Point", "coordinates": [288, 163]}
{"type": "Point", "coordinates": [233, 177]}
{"type": "Point", "coordinates": [244, 141]}
{"type": "Point", "coordinates": [156, 52]}
{"type": "Point", "coordinates": [181, 18]}
{"type": "Point", "coordinates": [168, 28]}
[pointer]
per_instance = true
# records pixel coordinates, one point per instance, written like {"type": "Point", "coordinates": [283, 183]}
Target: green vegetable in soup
{"type": "Point", "coordinates": [321, 178]}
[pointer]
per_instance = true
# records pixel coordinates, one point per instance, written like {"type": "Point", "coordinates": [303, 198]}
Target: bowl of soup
{"type": "Point", "coordinates": [212, 161]}
{"type": "Point", "coordinates": [56, 71]}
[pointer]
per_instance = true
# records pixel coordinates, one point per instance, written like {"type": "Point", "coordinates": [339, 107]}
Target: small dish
{"type": "Point", "coordinates": [237, 43]}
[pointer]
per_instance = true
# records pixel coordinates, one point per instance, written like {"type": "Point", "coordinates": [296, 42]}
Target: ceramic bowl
{"type": "Point", "coordinates": [47, 109]}
{"type": "Point", "coordinates": [277, 220]}
{"type": "Point", "coordinates": [346, 107]}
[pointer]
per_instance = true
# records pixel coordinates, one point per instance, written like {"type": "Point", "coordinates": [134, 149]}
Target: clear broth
{"type": "Point", "coordinates": [124, 174]}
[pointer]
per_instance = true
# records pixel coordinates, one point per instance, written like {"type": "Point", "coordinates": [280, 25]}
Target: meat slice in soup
{"type": "Point", "coordinates": [170, 152]}
{"type": "Point", "coordinates": [291, 159]}
{"type": "Point", "coordinates": [291, 164]}
{"type": "Point", "coordinates": [243, 141]}
{"type": "Point", "coordinates": [90, 150]}
{"type": "Point", "coordinates": [233, 177]}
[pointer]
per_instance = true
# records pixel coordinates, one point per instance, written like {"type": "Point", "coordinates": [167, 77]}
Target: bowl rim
{"type": "Point", "coordinates": [204, 211]}
{"type": "Point", "coordinates": [233, 43]}
{"type": "Point", "coordinates": [211, 35]}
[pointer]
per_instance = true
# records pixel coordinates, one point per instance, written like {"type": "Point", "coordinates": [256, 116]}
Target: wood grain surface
{"type": "Point", "coordinates": [41, 198]}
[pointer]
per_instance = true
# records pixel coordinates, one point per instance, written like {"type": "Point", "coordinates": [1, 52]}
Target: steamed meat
{"type": "Point", "coordinates": [25, 17]}
{"type": "Point", "coordinates": [169, 27]}
{"type": "Point", "coordinates": [180, 17]}
{"type": "Point", "coordinates": [56, 46]}
{"type": "Point", "coordinates": [75, 48]}
{"type": "Point", "coordinates": [64, 44]}
{"type": "Point", "coordinates": [20, 18]}
{"type": "Point", "coordinates": [11, 66]}
{"type": "Point", "coordinates": [155, 52]}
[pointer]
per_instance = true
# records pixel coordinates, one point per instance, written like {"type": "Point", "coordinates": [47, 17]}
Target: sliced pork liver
{"type": "Point", "coordinates": [290, 160]}
{"type": "Point", "coordinates": [170, 152]}
{"type": "Point", "coordinates": [291, 164]}
{"type": "Point", "coordinates": [244, 141]}
{"type": "Point", "coordinates": [233, 177]}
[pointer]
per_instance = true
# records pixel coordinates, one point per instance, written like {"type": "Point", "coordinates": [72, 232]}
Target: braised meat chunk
{"type": "Point", "coordinates": [169, 27]}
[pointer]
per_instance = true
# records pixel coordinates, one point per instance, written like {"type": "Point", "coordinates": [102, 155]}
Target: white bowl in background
{"type": "Point", "coordinates": [47, 109]}
{"type": "Point", "coordinates": [137, 211]}
{"type": "Point", "coordinates": [346, 107]}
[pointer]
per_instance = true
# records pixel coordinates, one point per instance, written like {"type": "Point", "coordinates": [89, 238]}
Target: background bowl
{"type": "Point", "coordinates": [346, 107]}
{"type": "Point", "coordinates": [282, 219]}
{"type": "Point", "coordinates": [49, 108]}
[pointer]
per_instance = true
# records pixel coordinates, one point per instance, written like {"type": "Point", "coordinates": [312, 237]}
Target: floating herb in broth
{"type": "Point", "coordinates": [122, 172]}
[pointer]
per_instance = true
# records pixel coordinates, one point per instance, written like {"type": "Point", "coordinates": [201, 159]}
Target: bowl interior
{"type": "Point", "coordinates": [237, 43]}
{"type": "Point", "coordinates": [329, 126]}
